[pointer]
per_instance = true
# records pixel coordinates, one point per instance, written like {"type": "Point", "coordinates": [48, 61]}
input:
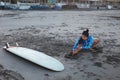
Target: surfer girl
{"type": "Point", "coordinates": [85, 41]}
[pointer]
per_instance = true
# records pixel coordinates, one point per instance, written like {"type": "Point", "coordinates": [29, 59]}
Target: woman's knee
{"type": "Point", "coordinates": [96, 41]}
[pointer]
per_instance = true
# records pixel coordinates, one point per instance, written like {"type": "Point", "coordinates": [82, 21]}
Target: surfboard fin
{"type": "Point", "coordinates": [7, 45]}
{"type": "Point", "coordinates": [17, 44]}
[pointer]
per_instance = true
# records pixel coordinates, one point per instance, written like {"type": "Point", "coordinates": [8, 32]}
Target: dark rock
{"type": "Point", "coordinates": [98, 64]}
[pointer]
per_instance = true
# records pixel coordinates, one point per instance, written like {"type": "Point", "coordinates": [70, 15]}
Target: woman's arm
{"type": "Point", "coordinates": [78, 49]}
{"type": "Point", "coordinates": [76, 44]}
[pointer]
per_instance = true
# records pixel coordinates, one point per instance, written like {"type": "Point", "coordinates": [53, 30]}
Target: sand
{"type": "Point", "coordinates": [54, 33]}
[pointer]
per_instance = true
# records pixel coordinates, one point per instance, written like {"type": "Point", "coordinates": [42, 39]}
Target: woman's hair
{"type": "Point", "coordinates": [86, 33]}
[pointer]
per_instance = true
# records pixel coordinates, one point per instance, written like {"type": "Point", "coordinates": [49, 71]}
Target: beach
{"type": "Point", "coordinates": [54, 33]}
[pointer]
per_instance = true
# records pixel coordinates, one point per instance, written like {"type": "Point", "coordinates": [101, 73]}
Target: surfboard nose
{"type": "Point", "coordinates": [59, 67]}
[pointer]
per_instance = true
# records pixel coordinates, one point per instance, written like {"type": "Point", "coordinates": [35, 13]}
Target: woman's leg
{"type": "Point", "coordinates": [96, 41]}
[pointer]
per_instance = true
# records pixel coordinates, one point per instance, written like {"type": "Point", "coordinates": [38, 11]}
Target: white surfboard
{"type": "Point", "coordinates": [37, 58]}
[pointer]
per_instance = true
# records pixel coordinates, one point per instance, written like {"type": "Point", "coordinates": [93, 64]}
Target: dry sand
{"type": "Point", "coordinates": [54, 33]}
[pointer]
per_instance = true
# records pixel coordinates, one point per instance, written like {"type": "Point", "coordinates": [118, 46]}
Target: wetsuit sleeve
{"type": "Point", "coordinates": [76, 44]}
{"type": "Point", "coordinates": [90, 43]}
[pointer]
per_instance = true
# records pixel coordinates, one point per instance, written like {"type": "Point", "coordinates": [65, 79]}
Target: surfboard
{"type": "Point", "coordinates": [37, 57]}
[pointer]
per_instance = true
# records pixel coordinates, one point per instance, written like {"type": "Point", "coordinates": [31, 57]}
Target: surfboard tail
{"type": "Point", "coordinates": [7, 45]}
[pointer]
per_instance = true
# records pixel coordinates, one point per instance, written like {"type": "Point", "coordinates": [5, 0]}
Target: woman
{"type": "Point", "coordinates": [85, 41]}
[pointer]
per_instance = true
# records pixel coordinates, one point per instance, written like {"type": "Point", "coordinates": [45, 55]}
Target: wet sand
{"type": "Point", "coordinates": [54, 33]}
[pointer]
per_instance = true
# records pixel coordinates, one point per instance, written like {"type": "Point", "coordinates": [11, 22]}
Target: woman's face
{"type": "Point", "coordinates": [84, 37]}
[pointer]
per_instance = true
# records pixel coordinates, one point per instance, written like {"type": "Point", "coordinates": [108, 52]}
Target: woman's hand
{"type": "Point", "coordinates": [78, 49]}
